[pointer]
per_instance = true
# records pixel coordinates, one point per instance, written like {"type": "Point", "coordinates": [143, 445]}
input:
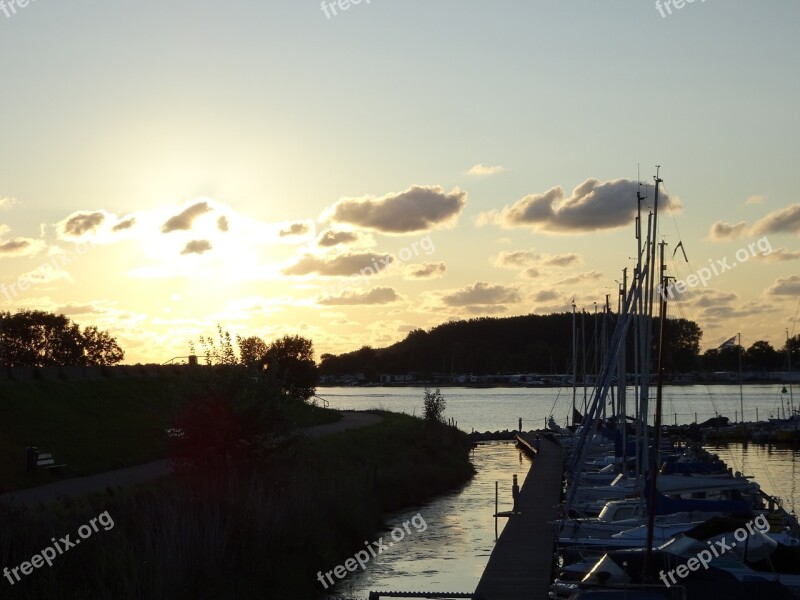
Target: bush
{"type": "Point", "coordinates": [433, 405]}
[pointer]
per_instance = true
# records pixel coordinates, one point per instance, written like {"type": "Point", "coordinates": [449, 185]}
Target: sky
{"type": "Point", "coordinates": [169, 166]}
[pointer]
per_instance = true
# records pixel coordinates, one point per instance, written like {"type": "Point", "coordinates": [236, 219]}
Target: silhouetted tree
{"type": "Point", "coordinates": [761, 356]}
{"type": "Point", "coordinates": [290, 362]}
{"type": "Point", "coordinates": [34, 338]}
{"type": "Point", "coordinates": [252, 351]}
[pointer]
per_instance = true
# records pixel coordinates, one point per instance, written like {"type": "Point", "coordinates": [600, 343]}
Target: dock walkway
{"type": "Point", "coordinates": [521, 563]}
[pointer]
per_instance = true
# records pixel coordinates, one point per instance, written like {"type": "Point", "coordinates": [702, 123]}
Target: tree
{"type": "Point", "coordinates": [222, 355]}
{"type": "Point", "coordinates": [252, 351]}
{"type": "Point", "coordinates": [34, 338]}
{"type": "Point", "coordinates": [761, 356]}
{"type": "Point", "coordinates": [433, 405]}
{"type": "Point", "coordinates": [99, 348]}
{"type": "Point", "coordinates": [290, 362]}
{"type": "Point", "coordinates": [683, 344]}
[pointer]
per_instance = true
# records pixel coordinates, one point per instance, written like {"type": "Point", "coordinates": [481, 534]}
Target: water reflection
{"type": "Point", "coordinates": [773, 466]}
{"type": "Point", "coordinates": [451, 554]}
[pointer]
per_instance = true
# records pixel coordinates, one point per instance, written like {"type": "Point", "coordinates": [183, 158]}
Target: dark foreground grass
{"type": "Point", "coordinates": [99, 425]}
{"type": "Point", "coordinates": [261, 532]}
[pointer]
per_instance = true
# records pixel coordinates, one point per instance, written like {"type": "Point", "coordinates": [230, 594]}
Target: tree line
{"type": "Point", "coordinates": [539, 344]}
{"type": "Point", "coordinates": [35, 338]}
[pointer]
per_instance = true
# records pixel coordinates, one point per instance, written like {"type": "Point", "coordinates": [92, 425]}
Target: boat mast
{"type": "Point", "coordinates": [741, 390]}
{"type": "Point", "coordinates": [654, 464]}
{"type": "Point", "coordinates": [789, 365]}
{"type": "Point", "coordinates": [574, 361]}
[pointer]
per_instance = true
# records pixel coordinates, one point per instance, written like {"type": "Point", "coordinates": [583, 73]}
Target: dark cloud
{"type": "Point", "coordinates": [197, 247]}
{"type": "Point", "coordinates": [785, 286]}
{"type": "Point", "coordinates": [184, 220]}
{"type": "Point", "coordinates": [295, 229]}
{"type": "Point", "coordinates": [581, 278]}
{"type": "Point", "coordinates": [594, 205]}
{"type": "Point", "coordinates": [560, 260]}
{"type": "Point", "coordinates": [785, 220]}
{"type": "Point", "coordinates": [19, 247]}
{"type": "Point", "coordinates": [332, 238]}
{"type": "Point", "coordinates": [124, 224]}
{"type": "Point", "coordinates": [425, 270]}
{"type": "Point", "coordinates": [780, 255]}
{"type": "Point", "coordinates": [481, 293]}
{"type": "Point", "coordinates": [341, 265]}
{"type": "Point", "coordinates": [79, 223]}
{"type": "Point", "coordinates": [379, 295]}
{"type": "Point", "coordinates": [727, 231]}
{"type": "Point", "coordinates": [517, 258]}
{"type": "Point", "coordinates": [222, 223]}
{"type": "Point", "coordinates": [419, 208]}
{"type": "Point", "coordinates": [545, 295]}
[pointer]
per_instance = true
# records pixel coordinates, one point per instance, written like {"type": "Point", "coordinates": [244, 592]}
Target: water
{"type": "Point", "coordinates": [499, 408]}
{"type": "Point", "coordinates": [450, 555]}
{"type": "Point", "coordinates": [452, 551]}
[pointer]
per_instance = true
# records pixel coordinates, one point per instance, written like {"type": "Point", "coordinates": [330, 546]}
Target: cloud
{"type": "Point", "coordinates": [124, 224]}
{"type": "Point", "coordinates": [425, 270]}
{"type": "Point", "coordinates": [299, 228]}
{"type": "Point", "coordinates": [527, 258]}
{"type": "Point", "coordinates": [7, 202]}
{"type": "Point", "coordinates": [341, 265]}
{"type": "Point", "coordinates": [728, 231]}
{"type": "Point", "coordinates": [331, 238]}
{"type": "Point", "coordinates": [780, 255]}
{"type": "Point", "coordinates": [79, 309]}
{"type": "Point", "coordinates": [560, 260]}
{"type": "Point", "coordinates": [482, 170]}
{"type": "Point", "coordinates": [784, 220]}
{"type": "Point", "coordinates": [785, 286]}
{"type": "Point", "coordinates": [514, 259]}
{"type": "Point", "coordinates": [184, 220]}
{"type": "Point", "coordinates": [20, 246]}
{"type": "Point", "coordinates": [222, 224]}
{"type": "Point", "coordinates": [79, 223]}
{"type": "Point", "coordinates": [594, 205]}
{"type": "Point", "coordinates": [419, 208]}
{"type": "Point", "coordinates": [481, 293]}
{"type": "Point", "coordinates": [378, 295]}
{"type": "Point", "coordinates": [756, 199]}
{"type": "Point", "coordinates": [545, 295]}
{"type": "Point", "coordinates": [197, 247]}
{"type": "Point", "coordinates": [581, 278]}
{"type": "Point", "coordinates": [531, 272]}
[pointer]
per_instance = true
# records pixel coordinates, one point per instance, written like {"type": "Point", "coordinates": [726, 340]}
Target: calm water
{"type": "Point", "coordinates": [499, 408]}
{"type": "Point", "coordinates": [450, 555]}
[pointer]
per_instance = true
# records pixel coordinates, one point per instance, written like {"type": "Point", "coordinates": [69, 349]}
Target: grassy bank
{"type": "Point", "coordinates": [260, 532]}
{"type": "Point", "coordinates": [96, 425]}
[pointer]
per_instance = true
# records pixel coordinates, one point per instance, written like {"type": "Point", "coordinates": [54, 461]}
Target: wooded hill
{"type": "Point", "coordinates": [491, 345]}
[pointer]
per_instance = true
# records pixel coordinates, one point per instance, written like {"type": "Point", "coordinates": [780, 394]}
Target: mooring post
{"type": "Point", "coordinates": [496, 494]}
{"type": "Point", "coordinates": [515, 492]}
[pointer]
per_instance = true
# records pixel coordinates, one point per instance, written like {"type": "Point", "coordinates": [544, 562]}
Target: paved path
{"type": "Point", "coordinates": [81, 486]}
{"type": "Point", "coordinates": [521, 562]}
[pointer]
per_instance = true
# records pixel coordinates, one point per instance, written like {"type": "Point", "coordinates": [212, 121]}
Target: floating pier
{"type": "Point", "coordinates": [521, 563]}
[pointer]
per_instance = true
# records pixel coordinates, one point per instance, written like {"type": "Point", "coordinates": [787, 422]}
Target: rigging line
{"type": "Point", "coordinates": [794, 322]}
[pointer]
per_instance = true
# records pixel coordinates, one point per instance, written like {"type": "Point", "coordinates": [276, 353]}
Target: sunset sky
{"type": "Point", "coordinates": [169, 166]}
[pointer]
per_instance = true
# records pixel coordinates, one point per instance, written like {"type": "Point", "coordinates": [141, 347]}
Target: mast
{"type": "Point", "coordinates": [741, 389]}
{"type": "Point", "coordinates": [574, 361]}
{"type": "Point", "coordinates": [789, 365]}
{"type": "Point", "coordinates": [651, 511]}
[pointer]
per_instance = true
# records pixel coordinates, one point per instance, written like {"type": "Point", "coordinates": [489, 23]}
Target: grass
{"type": "Point", "coordinates": [96, 425]}
{"type": "Point", "coordinates": [255, 532]}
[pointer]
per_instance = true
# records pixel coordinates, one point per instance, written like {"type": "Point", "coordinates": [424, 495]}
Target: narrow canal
{"type": "Point", "coordinates": [450, 554]}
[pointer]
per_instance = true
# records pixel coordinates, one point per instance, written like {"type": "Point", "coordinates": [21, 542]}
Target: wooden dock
{"type": "Point", "coordinates": [521, 563]}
